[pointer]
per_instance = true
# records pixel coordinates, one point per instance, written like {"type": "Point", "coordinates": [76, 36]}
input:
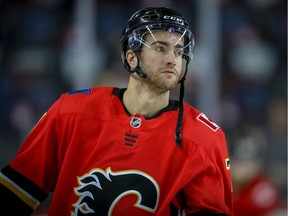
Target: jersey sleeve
{"type": "Point", "coordinates": [211, 189]}
{"type": "Point", "coordinates": [32, 174]}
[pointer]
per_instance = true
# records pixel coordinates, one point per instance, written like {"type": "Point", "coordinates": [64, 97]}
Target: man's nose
{"type": "Point", "coordinates": [170, 58]}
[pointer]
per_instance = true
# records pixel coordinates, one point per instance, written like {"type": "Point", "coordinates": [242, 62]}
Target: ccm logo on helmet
{"type": "Point", "coordinates": [174, 18]}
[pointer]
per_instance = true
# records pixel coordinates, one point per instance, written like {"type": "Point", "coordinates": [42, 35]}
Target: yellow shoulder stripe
{"type": "Point", "coordinates": [23, 195]}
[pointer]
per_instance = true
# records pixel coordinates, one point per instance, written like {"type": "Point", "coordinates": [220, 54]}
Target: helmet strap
{"type": "Point", "coordinates": [137, 69]}
{"type": "Point", "coordinates": [178, 135]}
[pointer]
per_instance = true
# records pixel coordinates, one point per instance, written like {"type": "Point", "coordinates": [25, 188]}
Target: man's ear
{"type": "Point", "coordinates": [131, 59]}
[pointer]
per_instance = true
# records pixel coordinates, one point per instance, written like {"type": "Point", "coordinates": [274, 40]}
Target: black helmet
{"type": "Point", "coordinates": [155, 18]}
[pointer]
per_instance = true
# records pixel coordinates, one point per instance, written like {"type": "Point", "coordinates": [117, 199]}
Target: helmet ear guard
{"type": "Point", "coordinates": [126, 65]}
{"type": "Point", "coordinates": [132, 43]}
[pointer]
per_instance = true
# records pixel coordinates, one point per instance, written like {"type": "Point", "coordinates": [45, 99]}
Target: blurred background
{"type": "Point", "coordinates": [238, 77]}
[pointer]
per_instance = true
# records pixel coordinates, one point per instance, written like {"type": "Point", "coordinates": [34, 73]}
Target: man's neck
{"type": "Point", "coordinates": [144, 101]}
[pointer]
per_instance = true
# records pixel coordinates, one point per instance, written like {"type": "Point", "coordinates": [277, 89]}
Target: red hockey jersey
{"type": "Point", "coordinates": [97, 158]}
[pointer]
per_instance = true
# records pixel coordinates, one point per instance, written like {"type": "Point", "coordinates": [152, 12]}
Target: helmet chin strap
{"type": "Point", "coordinates": [137, 69]}
{"type": "Point", "coordinates": [178, 135]}
{"type": "Point", "coordinates": [140, 72]}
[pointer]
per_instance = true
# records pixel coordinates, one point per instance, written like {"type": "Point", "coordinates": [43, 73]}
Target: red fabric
{"type": "Point", "coordinates": [257, 198]}
{"type": "Point", "coordinates": [87, 138]}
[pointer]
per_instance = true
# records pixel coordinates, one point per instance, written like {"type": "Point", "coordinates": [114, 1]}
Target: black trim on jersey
{"type": "Point", "coordinates": [173, 104]}
{"type": "Point", "coordinates": [10, 204]}
{"type": "Point", "coordinates": [174, 211]}
{"type": "Point", "coordinates": [25, 183]}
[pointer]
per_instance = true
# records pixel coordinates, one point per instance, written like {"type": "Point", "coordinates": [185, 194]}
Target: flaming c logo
{"type": "Point", "coordinates": [99, 191]}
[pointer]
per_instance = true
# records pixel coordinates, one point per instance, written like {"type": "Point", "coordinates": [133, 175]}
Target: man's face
{"type": "Point", "coordinates": [161, 59]}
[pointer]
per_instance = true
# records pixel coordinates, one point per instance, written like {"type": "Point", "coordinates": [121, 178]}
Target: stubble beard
{"type": "Point", "coordinates": [158, 81]}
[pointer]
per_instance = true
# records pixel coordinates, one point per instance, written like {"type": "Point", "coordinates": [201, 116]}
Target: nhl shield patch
{"type": "Point", "coordinates": [135, 122]}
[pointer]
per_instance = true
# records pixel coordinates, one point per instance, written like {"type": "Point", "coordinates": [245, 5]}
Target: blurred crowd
{"type": "Point", "coordinates": [43, 52]}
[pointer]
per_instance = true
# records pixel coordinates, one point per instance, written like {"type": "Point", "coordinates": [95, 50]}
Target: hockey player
{"type": "Point", "coordinates": [133, 151]}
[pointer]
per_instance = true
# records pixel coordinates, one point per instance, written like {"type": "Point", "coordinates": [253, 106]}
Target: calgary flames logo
{"type": "Point", "coordinates": [99, 191]}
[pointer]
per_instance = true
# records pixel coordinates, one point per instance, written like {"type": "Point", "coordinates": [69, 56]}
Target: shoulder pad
{"type": "Point", "coordinates": [81, 91]}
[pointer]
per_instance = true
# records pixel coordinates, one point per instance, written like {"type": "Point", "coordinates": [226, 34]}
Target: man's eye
{"type": "Point", "coordinates": [159, 49]}
{"type": "Point", "coordinates": [179, 52]}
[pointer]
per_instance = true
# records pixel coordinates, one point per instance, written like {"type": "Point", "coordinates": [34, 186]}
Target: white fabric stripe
{"type": "Point", "coordinates": [33, 199]}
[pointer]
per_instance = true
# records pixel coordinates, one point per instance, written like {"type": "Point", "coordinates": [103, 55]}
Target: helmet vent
{"type": "Point", "coordinates": [150, 16]}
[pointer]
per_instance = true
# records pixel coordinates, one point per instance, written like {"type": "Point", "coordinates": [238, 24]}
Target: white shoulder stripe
{"type": "Point", "coordinates": [208, 122]}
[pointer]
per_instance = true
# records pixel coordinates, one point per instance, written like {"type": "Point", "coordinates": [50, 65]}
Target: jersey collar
{"type": "Point", "coordinates": [172, 106]}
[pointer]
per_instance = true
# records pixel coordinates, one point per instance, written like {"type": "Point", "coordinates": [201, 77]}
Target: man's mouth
{"type": "Point", "coordinates": [168, 72]}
